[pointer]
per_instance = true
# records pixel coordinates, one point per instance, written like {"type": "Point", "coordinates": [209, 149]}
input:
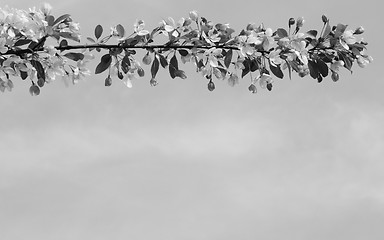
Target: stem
{"type": "Point", "coordinates": [106, 46]}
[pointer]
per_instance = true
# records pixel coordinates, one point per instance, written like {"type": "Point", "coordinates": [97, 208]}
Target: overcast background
{"type": "Point", "coordinates": [303, 162]}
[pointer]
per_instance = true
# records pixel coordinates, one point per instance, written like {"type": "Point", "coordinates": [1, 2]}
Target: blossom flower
{"type": "Point", "coordinates": [347, 38]}
{"type": "Point", "coordinates": [3, 48]}
{"type": "Point", "coordinates": [363, 60]}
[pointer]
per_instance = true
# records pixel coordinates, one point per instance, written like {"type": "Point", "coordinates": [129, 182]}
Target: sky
{"type": "Point", "coordinates": [176, 161]}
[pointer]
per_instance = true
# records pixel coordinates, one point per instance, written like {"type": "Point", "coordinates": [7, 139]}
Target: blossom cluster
{"type": "Point", "coordinates": [214, 49]}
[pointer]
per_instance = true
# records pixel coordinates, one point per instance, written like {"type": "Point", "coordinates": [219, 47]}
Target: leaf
{"type": "Point", "coordinates": [163, 61]}
{"type": "Point", "coordinates": [173, 66]}
{"type": "Point", "coordinates": [183, 52]}
{"type": "Point", "coordinates": [254, 65]}
{"type": "Point", "coordinates": [246, 69]}
{"type": "Point", "coordinates": [340, 29]}
{"type": "Point", "coordinates": [228, 58]}
{"type": "Point", "coordinates": [276, 70]}
{"type": "Point", "coordinates": [74, 56]}
{"type": "Point", "coordinates": [61, 18]}
{"type": "Point", "coordinates": [105, 62]}
{"type": "Point", "coordinates": [313, 70]}
{"type": "Point", "coordinates": [323, 67]}
{"type": "Point", "coordinates": [180, 74]}
{"type": "Point", "coordinates": [281, 32]}
{"type": "Point", "coordinates": [91, 39]}
{"type": "Point", "coordinates": [289, 69]}
{"type": "Point", "coordinates": [98, 31]}
{"type": "Point", "coordinates": [312, 33]}
{"type": "Point", "coordinates": [155, 67]}
{"type": "Point", "coordinates": [39, 68]}
{"type": "Point", "coordinates": [347, 61]}
{"type": "Point", "coordinates": [120, 30]}
{"type": "Point", "coordinates": [327, 30]}
{"type": "Point", "coordinates": [125, 64]}
{"type": "Point", "coordinates": [22, 42]}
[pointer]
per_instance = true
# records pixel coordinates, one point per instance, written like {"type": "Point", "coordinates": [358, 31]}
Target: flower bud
{"type": "Point", "coordinates": [153, 82]}
{"type": "Point", "coordinates": [108, 81]}
{"type": "Point", "coordinates": [140, 72]}
{"type": "Point", "coordinates": [300, 22]}
{"type": "Point", "coordinates": [211, 86]}
{"type": "Point", "coordinates": [291, 22]}
{"type": "Point", "coordinates": [252, 88]}
{"type": "Point", "coordinates": [324, 18]}
{"type": "Point", "coordinates": [193, 15]}
{"type": "Point", "coordinates": [147, 59]}
{"type": "Point", "coordinates": [335, 76]}
{"type": "Point", "coordinates": [359, 30]}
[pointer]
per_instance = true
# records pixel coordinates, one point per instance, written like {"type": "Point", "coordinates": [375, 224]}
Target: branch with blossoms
{"type": "Point", "coordinates": [214, 49]}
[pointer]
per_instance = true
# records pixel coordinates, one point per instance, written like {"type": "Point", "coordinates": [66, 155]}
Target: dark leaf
{"type": "Point", "coordinates": [347, 61]}
{"type": "Point", "coordinates": [105, 62]}
{"type": "Point", "coordinates": [276, 70]}
{"type": "Point", "coordinates": [163, 61]}
{"type": "Point", "coordinates": [125, 64]}
{"type": "Point", "coordinates": [74, 56]}
{"type": "Point", "coordinates": [98, 31]}
{"type": "Point", "coordinates": [313, 70]}
{"type": "Point", "coordinates": [23, 75]}
{"type": "Point", "coordinates": [281, 32]}
{"type": "Point", "coordinates": [61, 18]}
{"type": "Point", "coordinates": [323, 68]}
{"type": "Point", "coordinates": [228, 58]}
{"type": "Point", "coordinates": [22, 42]}
{"type": "Point", "coordinates": [39, 68]}
{"type": "Point", "coordinates": [183, 52]}
{"type": "Point", "coordinates": [173, 66]}
{"type": "Point", "coordinates": [247, 67]}
{"type": "Point", "coordinates": [289, 69]}
{"type": "Point", "coordinates": [155, 67]}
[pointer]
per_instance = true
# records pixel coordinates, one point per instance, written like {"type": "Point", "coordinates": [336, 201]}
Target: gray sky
{"type": "Point", "coordinates": [179, 162]}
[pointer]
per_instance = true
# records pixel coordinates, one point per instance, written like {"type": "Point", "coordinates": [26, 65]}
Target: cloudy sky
{"type": "Point", "coordinates": [179, 162]}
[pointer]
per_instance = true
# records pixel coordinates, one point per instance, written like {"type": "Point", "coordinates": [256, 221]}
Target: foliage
{"type": "Point", "coordinates": [215, 50]}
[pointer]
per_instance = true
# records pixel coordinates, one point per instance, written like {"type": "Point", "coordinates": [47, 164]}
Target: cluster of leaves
{"type": "Point", "coordinates": [214, 49]}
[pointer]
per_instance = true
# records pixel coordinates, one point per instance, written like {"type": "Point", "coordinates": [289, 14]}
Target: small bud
{"type": "Point", "coordinates": [319, 78]}
{"type": "Point", "coordinates": [153, 82]}
{"type": "Point", "coordinates": [108, 81]}
{"type": "Point", "coordinates": [34, 90]}
{"type": "Point", "coordinates": [211, 86]}
{"type": "Point", "coordinates": [140, 72]}
{"type": "Point", "coordinates": [359, 30]}
{"type": "Point", "coordinates": [40, 82]}
{"type": "Point", "coordinates": [269, 86]}
{"type": "Point", "coordinates": [252, 88]}
{"type": "Point", "coordinates": [147, 59]}
{"type": "Point", "coordinates": [193, 15]}
{"type": "Point", "coordinates": [335, 76]}
{"type": "Point", "coordinates": [324, 18]}
{"type": "Point", "coordinates": [291, 22]}
{"type": "Point", "coordinates": [300, 22]}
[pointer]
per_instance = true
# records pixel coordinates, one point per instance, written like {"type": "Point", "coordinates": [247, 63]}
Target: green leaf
{"type": "Point", "coordinates": [61, 18]}
{"type": "Point", "coordinates": [39, 68]}
{"type": "Point", "coordinates": [155, 67]}
{"type": "Point", "coordinates": [228, 58]}
{"type": "Point", "coordinates": [313, 70]}
{"type": "Point", "coordinates": [163, 61]}
{"type": "Point", "coordinates": [183, 52]}
{"type": "Point", "coordinates": [347, 61]}
{"type": "Point", "coordinates": [91, 39]}
{"type": "Point", "coordinates": [323, 67]}
{"type": "Point", "coordinates": [74, 56]}
{"type": "Point", "coordinates": [289, 69]}
{"type": "Point", "coordinates": [180, 74]}
{"type": "Point", "coordinates": [254, 65]}
{"type": "Point", "coordinates": [120, 30]}
{"type": "Point", "coordinates": [281, 32]}
{"type": "Point", "coordinates": [173, 67]}
{"type": "Point", "coordinates": [98, 31]}
{"type": "Point", "coordinates": [246, 68]}
{"type": "Point", "coordinates": [22, 42]}
{"type": "Point", "coordinates": [105, 62]}
{"type": "Point", "coordinates": [340, 29]}
{"type": "Point", "coordinates": [327, 30]}
{"type": "Point", "coordinates": [125, 64]}
{"type": "Point", "coordinates": [276, 70]}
